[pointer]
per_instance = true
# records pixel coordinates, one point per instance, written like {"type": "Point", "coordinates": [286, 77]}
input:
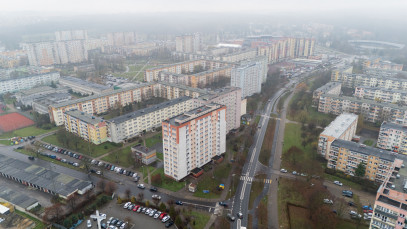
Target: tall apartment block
{"type": "Point", "coordinates": [381, 94]}
{"type": "Point", "coordinates": [135, 123]}
{"type": "Point", "coordinates": [343, 127]}
{"type": "Point", "coordinates": [90, 128]}
{"type": "Point", "coordinates": [190, 43]}
{"type": "Point", "coordinates": [27, 82]}
{"type": "Point", "coordinates": [390, 206]}
{"type": "Point", "coordinates": [371, 110]}
{"type": "Point", "coordinates": [192, 139]}
{"type": "Point", "coordinates": [121, 38]}
{"type": "Point", "coordinates": [345, 156]}
{"type": "Point", "coordinates": [393, 137]}
{"type": "Point", "coordinates": [248, 77]}
{"type": "Point", "coordinates": [333, 88]}
{"type": "Point", "coordinates": [231, 97]}
{"type": "Point", "coordinates": [71, 35]}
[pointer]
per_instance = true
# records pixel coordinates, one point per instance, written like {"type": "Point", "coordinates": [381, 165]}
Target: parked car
{"type": "Point", "coordinates": [223, 204]}
{"type": "Point", "coordinates": [294, 172]}
{"type": "Point", "coordinates": [230, 217]}
{"type": "Point", "coordinates": [178, 202]}
{"type": "Point", "coordinates": [136, 208]}
{"type": "Point", "coordinates": [157, 214]}
{"type": "Point", "coordinates": [89, 223]}
{"type": "Point", "coordinates": [347, 193]}
{"type": "Point", "coordinates": [141, 186]}
{"type": "Point", "coordinates": [169, 224]}
{"type": "Point", "coordinates": [153, 189]}
{"type": "Point", "coordinates": [152, 213]}
{"type": "Point", "coordinates": [328, 201]}
{"type": "Point", "coordinates": [31, 157]}
{"type": "Point", "coordinates": [165, 219]}
{"type": "Point", "coordinates": [156, 197]}
{"type": "Point", "coordinates": [126, 205]}
{"type": "Point", "coordinates": [338, 183]}
{"type": "Point", "coordinates": [350, 203]}
{"type": "Point", "coordinates": [283, 170]}
{"type": "Point", "coordinates": [98, 172]}
{"type": "Point", "coordinates": [162, 215]}
{"type": "Point", "coordinates": [239, 215]}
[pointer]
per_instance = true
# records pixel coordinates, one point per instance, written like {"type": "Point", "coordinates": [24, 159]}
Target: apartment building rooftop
{"type": "Point", "coordinates": [85, 83]}
{"type": "Point", "coordinates": [138, 113]}
{"type": "Point", "coordinates": [85, 117]}
{"type": "Point", "coordinates": [363, 149]}
{"type": "Point", "coordinates": [339, 125]}
{"type": "Point", "coordinates": [192, 114]}
{"type": "Point", "coordinates": [390, 125]}
{"type": "Point", "coordinates": [325, 88]}
{"type": "Point", "coordinates": [216, 93]}
{"type": "Point", "coordinates": [360, 100]}
{"type": "Point", "coordinates": [34, 90]}
{"type": "Point", "coordinates": [400, 184]}
{"type": "Point", "coordinates": [184, 87]}
{"type": "Point", "coordinates": [28, 75]}
{"type": "Point", "coordinates": [84, 99]}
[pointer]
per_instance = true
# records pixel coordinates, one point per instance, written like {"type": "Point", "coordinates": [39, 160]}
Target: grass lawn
{"type": "Point", "coordinates": [168, 183]}
{"type": "Point", "coordinates": [201, 219]}
{"type": "Point", "coordinates": [38, 223]}
{"type": "Point", "coordinates": [27, 131]}
{"type": "Point", "coordinates": [151, 141]}
{"type": "Point", "coordinates": [121, 158]}
{"type": "Point", "coordinates": [368, 142]}
{"type": "Point", "coordinates": [344, 181]}
{"type": "Point", "coordinates": [344, 224]}
{"type": "Point", "coordinates": [206, 182]}
{"type": "Point", "coordinates": [5, 142]}
{"type": "Point", "coordinates": [286, 193]}
{"type": "Point", "coordinates": [160, 156]}
{"type": "Point", "coordinates": [257, 188]}
{"type": "Point", "coordinates": [84, 146]}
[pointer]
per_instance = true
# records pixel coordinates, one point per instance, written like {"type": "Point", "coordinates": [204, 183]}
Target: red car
{"type": "Point", "coordinates": [162, 215]}
{"type": "Point", "coordinates": [136, 207]}
{"type": "Point", "coordinates": [58, 158]}
{"type": "Point", "coordinates": [80, 157]}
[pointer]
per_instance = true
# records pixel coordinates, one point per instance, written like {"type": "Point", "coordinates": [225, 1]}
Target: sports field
{"type": "Point", "coordinates": [14, 121]}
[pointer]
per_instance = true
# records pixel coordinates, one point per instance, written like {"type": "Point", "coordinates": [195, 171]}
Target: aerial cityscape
{"type": "Point", "coordinates": [203, 115]}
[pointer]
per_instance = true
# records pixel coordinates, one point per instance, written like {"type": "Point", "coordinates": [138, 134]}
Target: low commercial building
{"type": "Point", "coordinates": [41, 104]}
{"type": "Point", "coordinates": [390, 206]}
{"type": "Point", "coordinates": [333, 88]}
{"type": "Point", "coordinates": [84, 87]}
{"type": "Point", "coordinates": [26, 97]}
{"type": "Point", "coordinates": [43, 179]}
{"type": "Point", "coordinates": [381, 94]}
{"type": "Point", "coordinates": [138, 122]}
{"type": "Point", "coordinates": [343, 127]}
{"type": "Point", "coordinates": [27, 82]}
{"type": "Point", "coordinates": [345, 156]}
{"type": "Point", "coordinates": [90, 128]}
{"type": "Point", "coordinates": [393, 137]}
{"type": "Point", "coordinates": [372, 111]}
{"type": "Point", "coordinates": [144, 155]}
{"type": "Point", "coordinates": [192, 139]}
{"type": "Point", "coordinates": [18, 199]}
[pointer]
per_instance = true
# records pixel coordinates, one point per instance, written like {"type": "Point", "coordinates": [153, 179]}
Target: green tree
{"type": "Point", "coordinates": [67, 223]}
{"type": "Point", "coordinates": [163, 208]}
{"type": "Point", "coordinates": [360, 170]}
{"type": "Point", "coordinates": [178, 221]}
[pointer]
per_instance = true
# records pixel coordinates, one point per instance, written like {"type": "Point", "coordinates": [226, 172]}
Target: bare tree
{"type": "Point", "coordinates": [127, 192]}
{"type": "Point", "coordinates": [110, 187]}
{"type": "Point", "coordinates": [53, 213]}
{"type": "Point", "coordinates": [140, 197]}
{"type": "Point", "coordinates": [101, 185]}
{"type": "Point", "coordinates": [72, 201]}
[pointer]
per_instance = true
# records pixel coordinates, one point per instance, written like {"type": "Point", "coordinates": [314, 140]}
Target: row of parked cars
{"type": "Point", "coordinates": [62, 151]}
{"type": "Point", "coordinates": [156, 214]}
{"type": "Point", "coordinates": [118, 170]}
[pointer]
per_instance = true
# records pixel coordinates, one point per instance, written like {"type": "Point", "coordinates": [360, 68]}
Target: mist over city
{"type": "Point", "coordinates": [203, 114]}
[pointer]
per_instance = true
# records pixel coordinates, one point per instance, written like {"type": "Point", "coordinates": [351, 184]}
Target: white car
{"type": "Point", "coordinates": [338, 183]}
{"type": "Point", "coordinates": [89, 223]}
{"type": "Point", "coordinates": [126, 205]}
{"type": "Point", "coordinates": [141, 186]}
{"type": "Point", "coordinates": [98, 172]}
{"type": "Point", "coordinates": [110, 220]}
{"type": "Point", "coordinates": [328, 201]}
{"type": "Point", "coordinates": [156, 197]}
{"type": "Point", "coordinates": [283, 170]}
{"type": "Point", "coordinates": [165, 219]}
{"type": "Point", "coordinates": [294, 172]}
{"type": "Point", "coordinates": [123, 226]}
{"type": "Point", "coordinates": [157, 214]}
{"type": "Point", "coordinates": [103, 215]}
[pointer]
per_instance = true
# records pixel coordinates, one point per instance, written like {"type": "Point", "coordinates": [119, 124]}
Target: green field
{"type": "Point", "coordinates": [150, 142]}
{"type": "Point", "coordinates": [368, 142]}
{"type": "Point", "coordinates": [292, 137]}
{"type": "Point", "coordinates": [206, 182]}
{"type": "Point", "coordinates": [168, 183]}
{"type": "Point", "coordinates": [201, 219]}
{"type": "Point", "coordinates": [121, 158]}
{"type": "Point", "coordinates": [133, 71]}
{"type": "Point", "coordinates": [27, 131]}
{"type": "Point", "coordinates": [85, 147]}
{"type": "Point", "coordinates": [160, 156]}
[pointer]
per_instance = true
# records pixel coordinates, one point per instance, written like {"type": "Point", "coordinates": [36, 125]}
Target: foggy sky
{"type": "Point", "coordinates": [133, 6]}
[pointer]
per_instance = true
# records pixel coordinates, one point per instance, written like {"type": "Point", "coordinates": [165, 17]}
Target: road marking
{"type": "Point", "coordinates": [209, 209]}
{"type": "Point", "coordinates": [207, 206]}
{"type": "Point", "coordinates": [239, 224]}
{"type": "Point", "coordinates": [246, 178]}
{"type": "Point", "coordinates": [243, 189]}
{"type": "Point", "coordinates": [267, 181]}
{"type": "Point", "coordinates": [253, 153]}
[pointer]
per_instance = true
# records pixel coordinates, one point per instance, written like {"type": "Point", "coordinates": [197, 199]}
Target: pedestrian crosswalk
{"type": "Point", "coordinates": [250, 179]}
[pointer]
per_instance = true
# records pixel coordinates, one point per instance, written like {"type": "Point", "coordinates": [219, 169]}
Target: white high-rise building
{"type": "Point", "coordinates": [192, 139]}
{"type": "Point", "coordinates": [190, 43]}
{"type": "Point", "coordinates": [248, 76]}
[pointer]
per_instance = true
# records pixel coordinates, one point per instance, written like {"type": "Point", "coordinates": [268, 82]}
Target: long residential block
{"type": "Point", "coordinates": [192, 139]}
{"type": "Point", "coordinates": [345, 156]}
{"type": "Point", "coordinates": [353, 80]}
{"type": "Point", "coordinates": [371, 111]}
{"type": "Point", "coordinates": [393, 137]}
{"type": "Point", "coordinates": [343, 127]}
{"type": "Point", "coordinates": [333, 88]}
{"type": "Point", "coordinates": [381, 94]}
{"type": "Point", "coordinates": [90, 128]}
{"type": "Point", "coordinates": [27, 82]}
{"type": "Point", "coordinates": [82, 86]}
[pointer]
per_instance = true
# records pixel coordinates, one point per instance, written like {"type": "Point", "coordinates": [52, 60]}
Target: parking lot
{"type": "Point", "coordinates": [136, 220]}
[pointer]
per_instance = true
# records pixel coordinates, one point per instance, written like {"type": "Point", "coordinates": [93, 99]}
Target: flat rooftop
{"type": "Point", "coordinates": [399, 182]}
{"type": "Point", "coordinates": [325, 88]}
{"type": "Point", "coordinates": [339, 125]}
{"type": "Point", "coordinates": [85, 83]}
{"type": "Point", "coordinates": [143, 149]}
{"type": "Point", "coordinates": [193, 114]}
{"type": "Point", "coordinates": [18, 199]}
{"type": "Point", "coordinates": [184, 87]}
{"type": "Point", "coordinates": [363, 149]}
{"type": "Point", "coordinates": [151, 109]}
{"type": "Point", "coordinates": [389, 125]}
{"type": "Point", "coordinates": [48, 179]}
{"type": "Point", "coordinates": [88, 98]}
{"type": "Point", "coordinates": [85, 117]}
{"type": "Point", "coordinates": [219, 92]}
